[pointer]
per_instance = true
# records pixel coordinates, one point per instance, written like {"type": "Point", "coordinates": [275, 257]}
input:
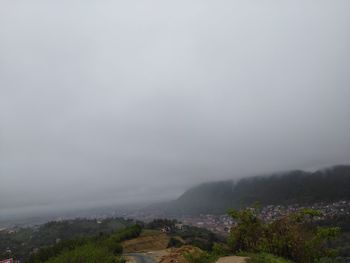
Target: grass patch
{"type": "Point", "coordinates": [264, 258]}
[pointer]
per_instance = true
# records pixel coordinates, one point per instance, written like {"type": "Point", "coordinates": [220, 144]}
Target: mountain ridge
{"type": "Point", "coordinates": [291, 187]}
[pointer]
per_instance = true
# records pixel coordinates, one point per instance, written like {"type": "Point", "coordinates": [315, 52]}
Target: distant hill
{"type": "Point", "coordinates": [291, 187]}
{"type": "Point", "coordinates": [23, 240]}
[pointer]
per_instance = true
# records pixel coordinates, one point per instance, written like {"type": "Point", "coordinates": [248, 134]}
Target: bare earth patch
{"type": "Point", "coordinates": [232, 259]}
{"type": "Point", "coordinates": [146, 242]}
{"type": "Point", "coordinates": [173, 255]}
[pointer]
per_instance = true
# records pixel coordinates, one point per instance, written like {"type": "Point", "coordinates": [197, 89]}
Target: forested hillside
{"type": "Point", "coordinates": [24, 241]}
{"type": "Point", "coordinates": [285, 188]}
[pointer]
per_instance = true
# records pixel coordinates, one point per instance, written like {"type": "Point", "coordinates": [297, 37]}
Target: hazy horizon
{"type": "Point", "coordinates": [108, 102]}
{"type": "Point", "coordinates": [44, 212]}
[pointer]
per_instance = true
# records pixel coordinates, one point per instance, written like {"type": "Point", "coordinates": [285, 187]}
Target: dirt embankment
{"type": "Point", "coordinates": [148, 241]}
{"type": "Point", "coordinates": [154, 244]}
{"type": "Point", "coordinates": [175, 255]}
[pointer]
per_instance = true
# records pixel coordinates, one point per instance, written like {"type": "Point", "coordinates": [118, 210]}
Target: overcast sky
{"type": "Point", "coordinates": [121, 101]}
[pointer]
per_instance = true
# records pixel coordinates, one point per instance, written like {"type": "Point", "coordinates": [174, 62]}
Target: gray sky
{"type": "Point", "coordinates": [120, 101]}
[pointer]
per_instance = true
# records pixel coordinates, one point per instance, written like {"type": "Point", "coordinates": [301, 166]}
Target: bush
{"type": "Point", "coordinates": [174, 242]}
{"type": "Point", "coordinates": [199, 237]}
{"type": "Point", "coordinates": [220, 250]}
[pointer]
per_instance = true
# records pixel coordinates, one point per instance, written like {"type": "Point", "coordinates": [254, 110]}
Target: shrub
{"type": "Point", "coordinates": [174, 242]}
{"type": "Point", "coordinates": [220, 250]}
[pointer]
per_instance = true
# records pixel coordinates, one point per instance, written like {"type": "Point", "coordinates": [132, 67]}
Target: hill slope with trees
{"type": "Point", "coordinates": [292, 187]}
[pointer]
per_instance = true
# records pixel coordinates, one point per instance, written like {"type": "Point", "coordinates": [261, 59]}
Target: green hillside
{"type": "Point", "coordinates": [24, 241]}
{"type": "Point", "coordinates": [285, 188]}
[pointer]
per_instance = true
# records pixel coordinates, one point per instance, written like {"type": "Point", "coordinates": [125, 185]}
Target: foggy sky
{"type": "Point", "coordinates": [122, 101]}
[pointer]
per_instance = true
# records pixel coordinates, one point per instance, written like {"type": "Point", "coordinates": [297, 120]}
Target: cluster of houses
{"type": "Point", "coordinates": [272, 212]}
{"type": "Point", "coordinates": [220, 224]}
{"type": "Point", "coordinates": [168, 229]}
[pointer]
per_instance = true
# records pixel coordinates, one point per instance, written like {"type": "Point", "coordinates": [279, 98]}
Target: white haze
{"type": "Point", "coordinates": [109, 102]}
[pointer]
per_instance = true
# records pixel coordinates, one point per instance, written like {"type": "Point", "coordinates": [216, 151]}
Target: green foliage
{"type": "Point", "coordinates": [24, 240]}
{"type": "Point", "coordinates": [249, 233]}
{"type": "Point", "coordinates": [112, 245]}
{"type": "Point", "coordinates": [121, 259]}
{"type": "Point", "coordinates": [108, 244]}
{"type": "Point", "coordinates": [69, 229]}
{"type": "Point", "coordinates": [160, 223]}
{"type": "Point", "coordinates": [334, 260]}
{"type": "Point", "coordinates": [292, 237]}
{"type": "Point", "coordinates": [175, 242]}
{"type": "Point", "coordinates": [265, 258]}
{"type": "Point", "coordinates": [199, 237]}
{"type": "Point", "coordinates": [127, 233]}
{"type": "Point", "coordinates": [200, 257]}
{"type": "Point", "coordinates": [88, 253]}
{"type": "Point", "coordinates": [285, 188]}
{"type": "Point", "coordinates": [220, 249]}
{"type": "Point", "coordinates": [342, 242]}
{"type": "Point", "coordinates": [51, 251]}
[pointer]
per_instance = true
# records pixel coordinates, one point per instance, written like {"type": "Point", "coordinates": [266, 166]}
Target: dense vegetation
{"type": "Point", "coordinates": [287, 188]}
{"type": "Point", "coordinates": [293, 237]}
{"type": "Point", "coordinates": [342, 242]}
{"type": "Point", "coordinates": [88, 253]}
{"type": "Point", "coordinates": [265, 258]}
{"type": "Point", "coordinates": [26, 240]}
{"type": "Point", "coordinates": [296, 237]}
{"type": "Point", "coordinates": [102, 248]}
{"type": "Point", "coordinates": [199, 237]}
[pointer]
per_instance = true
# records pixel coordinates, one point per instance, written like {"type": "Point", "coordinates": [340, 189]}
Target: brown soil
{"type": "Point", "coordinates": [144, 243]}
{"type": "Point", "coordinates": [232, 259]}
{"type": "Point", "coordinates": [175, 255]}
